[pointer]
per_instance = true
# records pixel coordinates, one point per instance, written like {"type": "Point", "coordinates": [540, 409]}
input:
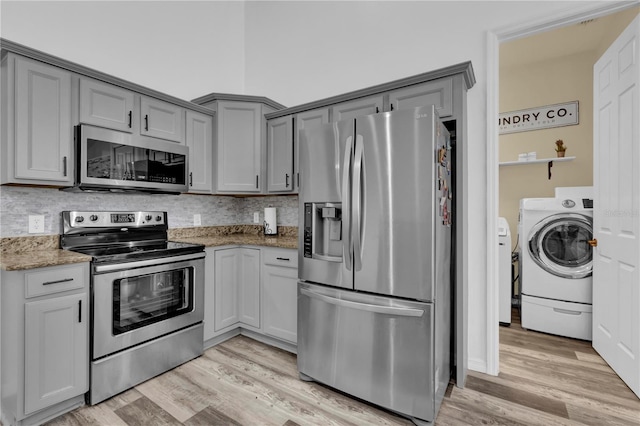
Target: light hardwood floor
{"type": "Point", "coordinates": [543, 380]}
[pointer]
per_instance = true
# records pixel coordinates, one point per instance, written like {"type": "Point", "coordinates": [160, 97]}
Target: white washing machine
{"type": "Point", "coordinates": [556, 262]}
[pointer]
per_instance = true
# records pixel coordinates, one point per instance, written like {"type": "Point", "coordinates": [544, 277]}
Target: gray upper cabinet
{"type": "Point", "coordinates": [280, 165]}
{"type": "Point", "coordinates": [161, 119]}
{"type": "Point", "coordinates": [305, 120]}
{"type": "Point", "coordinates": [199, 139]}
{"type": "Point", "coordinates": [437, 92]}
{"type": "Point", "coordinates": [106, 105]}
{"type": "Point", "coordinates": [239, 150]}
{"type": "Point", "coordinates": [38, 132]}
{"type": "Point", "coordinates": [357, 108]}
{"type": "Point", "coordinates": [241, 138]}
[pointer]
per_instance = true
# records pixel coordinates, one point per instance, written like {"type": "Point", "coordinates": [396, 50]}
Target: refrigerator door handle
{"type": "Point", "coordinates": [347, 250]}
{"type": "Point", "coordinates": [379, 309]}
{"type": "Point", "coordinates": [357, 203]}
{"type": "Point", "coordinates": [326, 258]}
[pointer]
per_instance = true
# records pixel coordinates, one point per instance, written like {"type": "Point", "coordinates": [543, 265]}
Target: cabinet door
{"type": "Point", "coordinates": [56, 365]}
{"type": "Point", "coordinates": [226, 288]}
{"type": "Point", "coordinates": [438, 93]}
{"type": "Point", "coordinates": [105, 105]}
{"type": "Point", "coordinates": [280, 302]}
{"type": "Point", "coordinates": [209, 293]}
{"type": "Point", "coordinates": [200, 143]}
{"type": "Point", "coordinates": [249, 285]}
{"type": "Point", "coordinates": [280, 154]}
{"type": "Point", "coordinates": [304, 120]}
{"type": "Point", "coordinates": [161, 119]}
{"type": "Point", "coordinates": [43, 129]}
{"type": "Point", "coordinates": [239, 146]}
{"type": "Point", "coordinates": [357, 108]}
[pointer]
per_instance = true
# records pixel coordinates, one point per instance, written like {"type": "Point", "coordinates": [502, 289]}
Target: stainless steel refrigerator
{"type": "Point", "coordinates": [374, 308]}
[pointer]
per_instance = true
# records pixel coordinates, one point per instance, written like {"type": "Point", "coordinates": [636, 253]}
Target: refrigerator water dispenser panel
{"type": "Point", "coordinates": [323, 231]}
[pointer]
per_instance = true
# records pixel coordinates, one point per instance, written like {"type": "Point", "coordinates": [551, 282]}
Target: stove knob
{"type": "Point", "coordinates": [158, 218]}
{"type": "Point", "coordinates": [93, 217]}
{"type": "Point", "coordinates": [79, 219]}
{"type": "Point", "coordinates": [148, 217]}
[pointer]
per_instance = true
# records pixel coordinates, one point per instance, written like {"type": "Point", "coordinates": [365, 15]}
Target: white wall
{"type": "Point", "coordinates": [182, 48]}
{"type": "Point", "coordinates": [294, 52]}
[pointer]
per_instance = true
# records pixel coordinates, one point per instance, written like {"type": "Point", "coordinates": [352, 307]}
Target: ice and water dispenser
{"type": "Point", "coordinates": [323, 231]}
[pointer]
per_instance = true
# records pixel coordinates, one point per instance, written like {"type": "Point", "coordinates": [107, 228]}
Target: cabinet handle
{"type": "Point", "coordinates": [130, 118]}
{"type": "Point", "coordinates": [283, 258]}
{"type": "Point", "coordinates": [377, 110]}
{"type": "Point", "coordinates": [146, 122]}
{"type": "Point", "coordinates": [286, 180]}
{"type": "Point", "coordinates": [298, 177]}
{"type": "Point", "coordinates": [391, 107]}
{"type": "Point", "coordinates": [65, 280]}
{"type": "Point", "coordinates": [190, 178]}
{"type": "Point", "coordinates": [64, 165]}
{"type": "Point", "coordinates": [257, 187]}
{"type": "Point", "coordinates": [79, 310]}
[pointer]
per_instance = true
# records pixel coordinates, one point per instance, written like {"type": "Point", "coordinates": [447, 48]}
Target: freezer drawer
{"type": "Point", "coordinates": [375, 348]}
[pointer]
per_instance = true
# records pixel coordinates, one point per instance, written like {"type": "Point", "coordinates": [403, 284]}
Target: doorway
{"type": "Point", "coordinates": [592, 21]}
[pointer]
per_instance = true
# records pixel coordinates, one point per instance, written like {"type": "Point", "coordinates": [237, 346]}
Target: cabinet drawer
{"type": "Point", "coordinates": [57, 279]}
{"type": "Point", "coordinates": [281, 257]}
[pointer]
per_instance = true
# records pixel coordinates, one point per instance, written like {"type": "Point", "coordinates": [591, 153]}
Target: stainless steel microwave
{"type": "Point", "coordinates": [110, 160]}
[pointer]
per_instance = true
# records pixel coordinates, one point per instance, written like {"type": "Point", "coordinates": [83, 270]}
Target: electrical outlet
{"type": "Point", "coordinates": [256, 217]}
{"type": "Point", "coordinates": [36, 224]}
{"type": "Point", "coordinates": [197, 220]}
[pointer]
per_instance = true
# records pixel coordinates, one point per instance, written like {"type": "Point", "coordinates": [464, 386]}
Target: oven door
{"type": "Point", "coordinates": [136, 302]}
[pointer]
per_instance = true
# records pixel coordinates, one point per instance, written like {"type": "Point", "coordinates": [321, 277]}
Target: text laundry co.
{"type": "Point", "coordinates": [539, 118]}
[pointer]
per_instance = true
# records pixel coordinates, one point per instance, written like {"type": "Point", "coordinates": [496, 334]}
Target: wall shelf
{"type": "Point", "coordinates": [537, 161]}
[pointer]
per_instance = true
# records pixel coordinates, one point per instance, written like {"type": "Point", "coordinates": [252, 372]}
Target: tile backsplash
{"type": "Point", "coordinates": [17, 203]}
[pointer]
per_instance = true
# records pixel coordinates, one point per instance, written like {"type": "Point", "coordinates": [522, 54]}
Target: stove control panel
{"type": "Point", "coordinates": [110, 219]}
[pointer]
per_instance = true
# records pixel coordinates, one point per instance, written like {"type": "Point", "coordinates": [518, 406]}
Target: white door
{"type": "Point", "coordinates": [616, 277]}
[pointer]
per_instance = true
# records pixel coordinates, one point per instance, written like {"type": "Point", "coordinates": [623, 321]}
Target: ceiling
{"type": "Point", "coordinates": [585, 36]}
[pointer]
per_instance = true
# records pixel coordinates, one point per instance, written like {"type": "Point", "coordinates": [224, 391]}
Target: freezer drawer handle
{"type": "Point", "coordinates": [390, 310]}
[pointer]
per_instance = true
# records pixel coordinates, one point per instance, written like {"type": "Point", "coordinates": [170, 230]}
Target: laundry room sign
{"type": "Point", "coordinates": [543, 117]}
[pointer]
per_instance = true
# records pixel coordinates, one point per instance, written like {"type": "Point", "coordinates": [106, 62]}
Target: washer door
{"type": "Point", "coordinates": [559, 245]}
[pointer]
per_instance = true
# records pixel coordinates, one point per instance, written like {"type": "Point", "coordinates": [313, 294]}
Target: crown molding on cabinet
{"type": "Point", "coordinates": [205, 99]}
{"type": "Point", "coordinates": [464, 68]}
{"type": "Point", "coordinates": [19, 49]}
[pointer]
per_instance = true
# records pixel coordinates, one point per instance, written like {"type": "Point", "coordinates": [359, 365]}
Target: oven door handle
{"type": "Point", "coordinates": [147, 262]}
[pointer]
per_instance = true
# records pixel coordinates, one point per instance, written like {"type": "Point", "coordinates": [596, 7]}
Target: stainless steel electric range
{"type": "Point", "coordinates": [147, 296]}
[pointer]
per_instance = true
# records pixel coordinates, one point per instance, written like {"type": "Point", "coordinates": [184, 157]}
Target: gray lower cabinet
{"type": "Point", "coordinates": [251, 289]}
{"type": "Point", "coordinates": [236, 295]}
{"type": "Point", "coordinates": [279, 294]}
{"type": "Point", "coordinates": [45, 342]}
